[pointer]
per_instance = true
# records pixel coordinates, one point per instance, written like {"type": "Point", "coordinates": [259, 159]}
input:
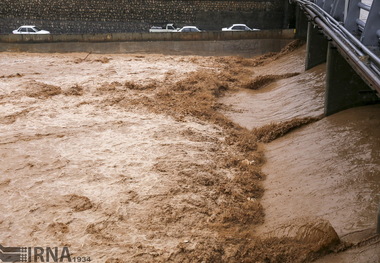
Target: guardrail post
{"type": "Point", "coordinates": [370, 36]}
{"type": "Point", "coordinates": [316, 47]}
{"type": "Point", "coordinates": [319, 2]}
{"type": "Point", "coordinates": [338, 10]}
{"type": "Point", "coordinates": [344, 87]}
{"type": "Point", "coordinates": [327, 5]}
{"type": "Point", "coordinates": [353, 13]}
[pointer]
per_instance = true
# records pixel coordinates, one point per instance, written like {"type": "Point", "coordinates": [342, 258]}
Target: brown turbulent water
{"type": "Point", "coordinates": [328, 169]}
{"type": "Point", "coordinates": [86, 164]}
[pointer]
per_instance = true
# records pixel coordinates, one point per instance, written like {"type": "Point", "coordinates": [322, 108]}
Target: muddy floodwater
{"type": "Point", "coordinates": [286, 98]}
{"type": "Point", "coordinates": [157, 158]}
{"type": "Point", "coordinates": [328, 169]}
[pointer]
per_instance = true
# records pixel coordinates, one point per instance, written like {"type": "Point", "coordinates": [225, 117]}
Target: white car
{"type": "Point", "coordinates": [239, 27]}
{"type": "Point", "coordinates": [189, 29]}
{"type": "Point", "coordinates": [167, 28]}
{"type": "Point", "coordinates": [30, 30]}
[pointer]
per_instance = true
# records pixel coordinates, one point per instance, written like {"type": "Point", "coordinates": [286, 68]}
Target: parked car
{"type": "Point", "coordinates": [30, 30]}
{"type": "Point", "coordinates": [239, 27]}
{"type": "Point", "coordinates": [167, 28]}
{"type": "Point", "coordinates": [189, 29]}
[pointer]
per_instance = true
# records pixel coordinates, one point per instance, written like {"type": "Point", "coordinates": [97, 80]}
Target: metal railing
{"type": "Point", "coordinates": [324, 13]}
{"type": "Point", "coordinates": [360, 17]}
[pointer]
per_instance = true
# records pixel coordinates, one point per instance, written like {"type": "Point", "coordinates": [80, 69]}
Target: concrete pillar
{"type": "Point", "coordinates": [301, 24]}
{"type": "Point", "coordinates": [289, 14]}
{"type": "Point", "coordinates": [316, 47]}
{"type": "Point", "coordinates": [344, 87]}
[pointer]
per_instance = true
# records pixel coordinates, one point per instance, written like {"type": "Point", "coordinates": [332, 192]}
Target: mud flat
{"type": "Point", "coordinates": [129, 158]}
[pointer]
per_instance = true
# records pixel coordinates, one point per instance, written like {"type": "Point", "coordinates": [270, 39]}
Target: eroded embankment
{"type": "Point", "coordinates": [128, 159]}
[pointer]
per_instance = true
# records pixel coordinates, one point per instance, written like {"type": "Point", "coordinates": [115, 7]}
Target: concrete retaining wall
{"type": "Point", "coordinates": [205, 36]}
{"type": "Point", "coordinates": [205, 43]}
{"type": "Point", "coordinates": [246, 47]}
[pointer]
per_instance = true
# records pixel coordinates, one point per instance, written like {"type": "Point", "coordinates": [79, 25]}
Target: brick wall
{"type": "Point", "coordinates": [101, 16]}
